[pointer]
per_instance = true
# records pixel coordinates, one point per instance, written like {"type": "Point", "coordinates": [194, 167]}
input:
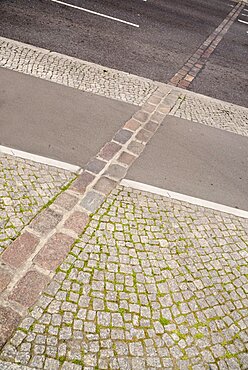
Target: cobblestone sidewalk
{"type": "Point", "coordinates": [74, 73]}
{"type": "Point", "coordinates": [118, 85]}
{"type": "Point", "coordinates": [25, 187]}
{"type": "Point", "coordinates": [152, 283]}
{"type": "Point", "coordinates": [212, 112]}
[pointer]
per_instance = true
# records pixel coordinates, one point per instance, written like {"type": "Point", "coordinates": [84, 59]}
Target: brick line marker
{"type": "Point", "coordinates": [45, 242]}
{"type": "Point", "coordinates": [184, 77]}
{"type": "Point", "coordinates": [29, 263]}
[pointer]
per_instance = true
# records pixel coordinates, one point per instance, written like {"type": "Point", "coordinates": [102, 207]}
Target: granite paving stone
{"type": "Point", "coordinates": [152, 283]}
{"type": "Point", "coordinates": [74, 72]}
{"type": "Point", "coordinates": [28, 288]}
{"type": "Point", "coordinates": [25, 188]}
{"type": "Point", "coordinates": [212, 112]}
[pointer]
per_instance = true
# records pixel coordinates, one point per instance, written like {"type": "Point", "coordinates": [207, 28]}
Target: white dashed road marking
{"type": "Point", "coordinates": [96, 13]}
{"type": "Point", "coordinates": [240, 20]}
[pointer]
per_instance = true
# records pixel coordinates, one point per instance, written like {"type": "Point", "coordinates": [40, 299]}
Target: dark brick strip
{"type": "Point", "coordinates": [184, 77]}
{"type": "Point", "coordinates": [29, 263]}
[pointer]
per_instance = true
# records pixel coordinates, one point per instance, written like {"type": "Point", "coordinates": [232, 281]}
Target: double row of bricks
{"type": "Point", "coordinates": [184, 77]}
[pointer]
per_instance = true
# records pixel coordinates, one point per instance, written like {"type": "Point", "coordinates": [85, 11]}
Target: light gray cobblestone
{"type": "Point", "coordinates": [74, 72]}
{"type": "Point", "coordinates": [10, 366]}
{"type": "Point", "coordinates": [187, 263]}
{"type": "Point", "coordinates": [25, 187]}
{"type": "Point", "coordinates": [212, 112]}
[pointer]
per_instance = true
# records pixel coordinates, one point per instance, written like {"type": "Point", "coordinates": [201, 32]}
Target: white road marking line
{"type": "Point", "coordinates": [240, 20]}
{"type": "Point", "coordinates": [245, 10]}
{"type": "Point", "coordinates": [245, 15]}
{"type": "Point", "coordinates": [96, 13]}
{"type": "Point", "coordinates": [184, 198]}
{"type": "Point", "coordinates": [39, 159]}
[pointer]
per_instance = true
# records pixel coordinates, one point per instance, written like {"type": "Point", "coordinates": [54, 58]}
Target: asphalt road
{"type": "Point", "coordinates": [228, 67]}
{"type": "Point", "coordinates": [196, 160]}
{"type": "Point", "coordinates": [169, 33]}
{"type": "Point", "coordinates": [58, 122]}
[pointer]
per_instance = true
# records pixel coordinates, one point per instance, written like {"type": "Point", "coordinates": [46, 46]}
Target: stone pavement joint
{"type": "Point", "coordinates": [74, 72]}
{"type": "Point", "coordinates": [184, 77]}
{"type": "Point", "coordinates": [153, 283]}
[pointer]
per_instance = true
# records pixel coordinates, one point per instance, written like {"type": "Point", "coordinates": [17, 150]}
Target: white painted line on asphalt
{"type": "Point", "coordinates": [96, 13]}
{"type": "Point", "coordinates": [39, 159]}
{"type": "Point", "coordinates": [240, 20]}
{"type": "Point", "coordinates": [184, 198]}
{"type": "Point", "coordinates": [245, 15]}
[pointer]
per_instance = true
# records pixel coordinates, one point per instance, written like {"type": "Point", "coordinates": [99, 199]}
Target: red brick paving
{"type": "Point", "coordinates": [28, 289]}
{"type": "Point", "coordinates": [105, 185]}
{"type": "Point", "coordinates": [45, 221]}
{"type": "Point", "coordinates": [81, 183]}
{"type": "Point", "coordinates": [5, 278]}
{"type": "Point", "coordinates": [77, 222]}
{"type": "Point", "coordinates": [20, 250]}
{"type": "Point", "coordinates": [9, 320]}
{"type": "Point", "coordinates": [109, 150]}
{"type": "Point", "coordinates": [66, 201]}
{"type": "Point", "coordinates": [184, 77]}
{"type": "Point", "coordinates": [132, 124]}
{"type": "Point", "coordinates": [51, 234]}
{"type": "Point", "coordinates": [54, 251]}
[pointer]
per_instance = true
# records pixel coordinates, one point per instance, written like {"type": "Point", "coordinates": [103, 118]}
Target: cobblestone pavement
{"type": "Point", "coordinates": [152, 283]}
{"type": "Point", "coordinates": [212, 112]}
{"type": "Point", "coordinates": [74, 73]}
{"type": "Point", "coordinates": [9, 366]}
{"type": "Point", "coordinates": [25, 187]}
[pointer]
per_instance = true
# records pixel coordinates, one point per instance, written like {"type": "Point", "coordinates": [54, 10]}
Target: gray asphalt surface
{"type": "Point", "coordinates": [227, 68]}
{"type": "Point", "coordinates": [55, 121]}
{"type": "Point", "coordinates": [196, 160]}
{"type": "Point", "coordinates": [169, 33]}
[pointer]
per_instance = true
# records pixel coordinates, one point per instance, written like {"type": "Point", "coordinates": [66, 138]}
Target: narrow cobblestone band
{"type": "Point", "coordinates": [185, 76]}
{"type": "Point", "coordinates": [49, 237]}
{"type": "Point", "coordinates": [74, 72]}
{"type": "Point", "coordinates": [60, 224]}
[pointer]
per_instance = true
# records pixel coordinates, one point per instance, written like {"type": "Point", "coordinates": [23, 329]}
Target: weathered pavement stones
{"type": "Point", "coordinates": [74, 73]}
{"type": "Point", "coordinates": [25, 187]}
{"type": "Point", "coordinates": [58, 226]}
{"type": "Point", "coordinates": [9, 319]}
{"type": "Point", "coordinates": [9, 366]}
{"type": "Point", "coordinates": [152, 283]}
{"type": "Point", "coordinates": [212, 112]}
